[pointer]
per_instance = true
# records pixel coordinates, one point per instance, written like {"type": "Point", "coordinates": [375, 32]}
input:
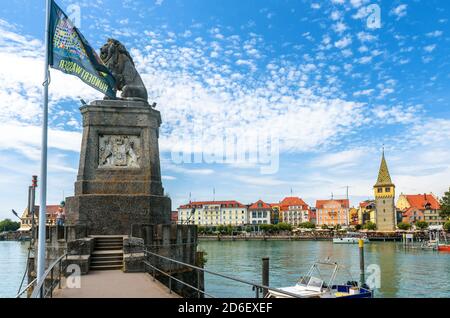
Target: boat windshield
{"type": "Point", "coordinates": [304, 280]}
{"type": "Point", "coordinates": [311, 283]}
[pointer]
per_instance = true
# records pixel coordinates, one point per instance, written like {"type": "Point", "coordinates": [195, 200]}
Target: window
{"type": "Point", "coordinates": [253, 214]}
{"type": "Point", "coordinates": [387, 189]}
{"type": "Point", "coordinates": [379, 190]}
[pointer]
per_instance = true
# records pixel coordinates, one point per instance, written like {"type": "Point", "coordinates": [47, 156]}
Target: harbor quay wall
{"type": "Point", "coordinates": [308, 236]}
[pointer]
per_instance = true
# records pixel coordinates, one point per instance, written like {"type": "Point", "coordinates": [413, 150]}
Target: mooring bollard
{"type": "Point", "coordinates": [265, 274]}
{"type": "Point", "coordinates": [362, 277]}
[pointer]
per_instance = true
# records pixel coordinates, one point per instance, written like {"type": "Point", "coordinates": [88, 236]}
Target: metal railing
{"type": "Point", "coordinates": [44, 288]}
{"type": "Point", "coordinates": [257, 288]}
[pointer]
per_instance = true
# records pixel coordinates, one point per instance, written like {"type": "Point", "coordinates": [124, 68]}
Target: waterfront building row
{"type": "Point", "coordinates": [291, 210]}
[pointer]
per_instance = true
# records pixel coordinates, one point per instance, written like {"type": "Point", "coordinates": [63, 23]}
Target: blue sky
{"type": "Point", "coordinates": [311, 74]}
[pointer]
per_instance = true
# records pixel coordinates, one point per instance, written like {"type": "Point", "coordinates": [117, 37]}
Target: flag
{"type": "Point", "coordinates": [70, 53]}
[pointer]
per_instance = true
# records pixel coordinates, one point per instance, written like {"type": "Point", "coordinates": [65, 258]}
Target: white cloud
{"type": "Point", "coordinates": [366, 37]}
{"type": "Point", "coordinates": [339, 27]}
{"type": "Point", "coordinates": [429, 48]}
{"type": "Point", "coordinates": [365, 92]}
{"type": "Point", "coordinates": [27, 139]}
{"type": "Point", "coordinates": [435, 34]}
{"type": "Point", "coordinates": [399, 11]}
{"type": "Point", "coordinates": [343, 158]}
{"type": "Point", "coordinates": [343, 43]}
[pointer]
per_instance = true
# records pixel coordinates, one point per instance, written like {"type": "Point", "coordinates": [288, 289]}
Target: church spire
{"type": "Point", "coordinates": [384, 177]}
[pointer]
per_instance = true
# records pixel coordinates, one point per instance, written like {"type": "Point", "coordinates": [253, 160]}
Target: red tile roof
{"type": "Point", "coordinates": [293, 201]}
{"type": "Point", "coordinates": [224, 204]}
{"type": "Point", "coordinates": [51, 209]}
{"type": "Point", "coordinates": [343, 202]}
{"type": "Point", "coordinates": [366, 203]}
{"type": "Point", "coordinates": [256, 206]}
{"type": "Point", "coordinates": [409, 212]}
{"type": "Point", "coordinates": [420, 200]}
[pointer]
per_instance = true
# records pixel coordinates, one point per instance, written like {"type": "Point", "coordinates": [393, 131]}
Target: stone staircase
{"type": "Point", "coordinates": [108, 253]}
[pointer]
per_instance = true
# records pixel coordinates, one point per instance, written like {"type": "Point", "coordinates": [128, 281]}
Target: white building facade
{"type": "Point", "coordinates": [259, 213]}
{"type": "Point", "coordinates": [213, 213]}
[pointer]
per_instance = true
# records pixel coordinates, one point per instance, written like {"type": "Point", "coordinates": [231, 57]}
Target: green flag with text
{"type": "Point", "coordinates": [71, 53]}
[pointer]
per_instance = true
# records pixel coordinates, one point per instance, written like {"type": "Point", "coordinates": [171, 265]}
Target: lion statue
{"type": "Point", "coordinates": [116, 57]}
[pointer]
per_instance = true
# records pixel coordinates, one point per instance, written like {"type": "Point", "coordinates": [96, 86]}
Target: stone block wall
{"type": "Point", "coordinates": [177, 242]}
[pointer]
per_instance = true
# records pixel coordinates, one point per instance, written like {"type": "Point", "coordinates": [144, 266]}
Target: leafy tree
{"type": "Point", "coordinates": [447, 226]}
{"type": "Point", "coordinates": [370, 226]}
{"type": "Point", "coordinates": [307, 225]}
{"type": "Point", "coordinates": [201, 229]}
{"type": "Point", "coordinates": [9, 226]}
{"type": "Point", "coordinates": [268, 228]}
{"type": "Point", "coordinates": [284, 226]}
{"type": "Point", "coordinates": [445, 205]}
{"type": "Point", "coordinates": [324, 227]}
{"type": "Point", "coordinates": [421, 225]}
{"type": "Point", "coordinates": [221, 229]}
{"type": "Point", "coordinates": [358, 227]}
{"type": "Point", "coordinates": [229, 229]}
{"type": "Point", "coordinates": [404, 226]}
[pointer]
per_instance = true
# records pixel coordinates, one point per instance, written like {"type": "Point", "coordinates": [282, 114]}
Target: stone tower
{"type": "Point", "coordinates": [384, 199]}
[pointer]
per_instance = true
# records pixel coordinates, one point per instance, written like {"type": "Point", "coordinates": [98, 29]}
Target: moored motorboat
{"type": "Point", "coordinates": [443, 248]}
{"type": "Point", "coordinates": [350, 238]}
{"type": "Point", "coordinates": [310, 286]}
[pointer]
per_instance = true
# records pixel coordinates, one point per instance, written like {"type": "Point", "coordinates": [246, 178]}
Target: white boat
{"type": "Point", "coordinates": [350, 238]}
{"type": "Point", "coordinates": [310, 286]}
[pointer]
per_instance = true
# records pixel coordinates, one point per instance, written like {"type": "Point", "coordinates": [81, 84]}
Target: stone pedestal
{"type": "Point", "coordinates": [119, 177]}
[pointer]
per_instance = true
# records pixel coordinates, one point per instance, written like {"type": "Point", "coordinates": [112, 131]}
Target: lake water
{"type": "Point", "coordinates": [13, 259]}
{"type": "Point", "coordinates": [404, 273]}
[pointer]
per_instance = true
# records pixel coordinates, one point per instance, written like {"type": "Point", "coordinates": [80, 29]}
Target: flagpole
{"type": "Point", "coordinates": [43, 192]}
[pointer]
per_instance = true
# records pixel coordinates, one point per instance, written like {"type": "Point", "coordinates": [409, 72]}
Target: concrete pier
{"type": "Point", "coordinates": [116, 284]}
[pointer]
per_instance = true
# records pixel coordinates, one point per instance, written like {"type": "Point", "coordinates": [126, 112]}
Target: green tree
{"type": "Point", "coordinates": [370, 226]}
{"type": "Point", "coordinates": [221, 229]}
{"type": "Point", "coordinates": [447, 226]}
{"type": "Point", "coordinates": [284, 227]}
{"type": "Point", "coordinates": [421, 225]}
{"type": "Point", "coordinates": [268, 228]}
{"type": "Point", "coordinates": [445, 205]}
{"type": "Point", "coordinates": [324, 227]}
{"type": "Point", "coordinates": [201, 229]}
{"type": "Point", "coordinates": [404, 226]}
{"type": "Point", "coordinates": [358, 227]}
{"type": "Point", "coordinates": [307, 225]}
{"type": "Point", "coordinates": [9, 226]}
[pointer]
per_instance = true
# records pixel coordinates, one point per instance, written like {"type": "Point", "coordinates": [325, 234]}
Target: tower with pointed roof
{"type": "Point", "coordinates": [384, 191]}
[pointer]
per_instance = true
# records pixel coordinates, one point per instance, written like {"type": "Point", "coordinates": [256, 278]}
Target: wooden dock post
{"type": "Point", "coordinates": [265, 274]}
{"type": "Point", "coordinates": [362, 277]}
